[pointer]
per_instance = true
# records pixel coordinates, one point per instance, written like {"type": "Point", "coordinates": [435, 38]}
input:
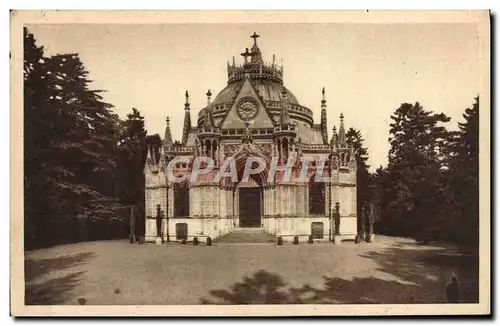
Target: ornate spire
{"type": "Point", "coordinates": [161, 163]}
{"type": "Point", "coordinates": [187, 120]}
{"type": "Point", "coordinates": [209, 96]}
{"type": "Point", "coordinates": [334, 136]}
{"type": "Point", "coordinates": [149, 157]}
{"type": "Point", "coordinates": [209, 120]}
{"type": "Point", "coordinates": [167, 141]}
{"type": "Point", "coordinates": [284, 117]}
{"type": "Point", "coordinates": [324, 130]}
{"type": "Point", "coordinates": [153, 155]}
{"type": "Point", "coordinates": [341, 137]}
{"type": "Point", "coordinates": [186, 104]}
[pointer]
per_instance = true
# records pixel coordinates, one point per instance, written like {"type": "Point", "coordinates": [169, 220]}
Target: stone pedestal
{"type": "Point", "coordinates": [159, 241]}
{"type": "Point", "coordinates": [371, 237]}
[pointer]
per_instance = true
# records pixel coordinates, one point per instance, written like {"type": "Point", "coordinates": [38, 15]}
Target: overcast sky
{"type": "Point", "coordinates": [368, 70]}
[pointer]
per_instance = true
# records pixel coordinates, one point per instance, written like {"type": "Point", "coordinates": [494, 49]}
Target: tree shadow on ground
{"type": "Point", "coordinates": [52, 290]}
{"type": "Point", "coordinates": [262, 287]}
{"type": "Point", "coordinates": [431, 269]}
{"type": "Point", "coordinates": [268, 288]}
{"type": "Point", "coordinates": [410, 274]}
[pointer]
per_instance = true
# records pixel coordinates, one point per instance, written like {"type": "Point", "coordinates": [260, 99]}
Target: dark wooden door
{"type": "Point", "coordinates": [250, 207]}
{"type": "Point", "coordinates": [181, 231]}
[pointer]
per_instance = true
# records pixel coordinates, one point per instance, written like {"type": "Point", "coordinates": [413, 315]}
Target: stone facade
{"type": "Point", "coordinates": [253, 116]}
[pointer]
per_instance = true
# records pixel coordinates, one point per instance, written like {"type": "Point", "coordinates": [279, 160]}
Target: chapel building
{"type": "Point", "coordinates": [255, 115]}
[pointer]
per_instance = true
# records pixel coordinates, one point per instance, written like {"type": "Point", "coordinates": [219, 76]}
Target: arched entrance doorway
{"type": "Point", "coordinates": [250, 194]}
{"type": "Point", "coordinates": [250, 203]}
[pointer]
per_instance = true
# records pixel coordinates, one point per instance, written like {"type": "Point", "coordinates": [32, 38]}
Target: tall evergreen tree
{"type": "Point", "coordinates": [463, 178]}
{"type": "Point", "coordinates": [132, 144]}
{"type": "Point", "coordinates": [38, 121]}
{"type": "Point", "coordinates": [70, 149]}
{"type": "Point", "coordinates": [414, 175]}
{"type": "Point", "coordinates": [363, 190]}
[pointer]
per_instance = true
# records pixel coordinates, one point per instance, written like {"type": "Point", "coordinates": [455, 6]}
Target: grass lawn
{"type": "Point", "coordinates": [390, 270]}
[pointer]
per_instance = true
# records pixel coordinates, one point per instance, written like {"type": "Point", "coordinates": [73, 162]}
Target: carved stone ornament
{"type": "Point", "coordinates": [352, 164]}
{"type": "Point", "coordinates": [265, 149]}
{"type": "Point", "coordinates": [247, 108]}
{"type": "Point", "coordinates": [229, 150]}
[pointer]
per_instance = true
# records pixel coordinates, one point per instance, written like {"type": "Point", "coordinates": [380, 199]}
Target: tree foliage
{"type": "Point", "coordinates": [429, 189]}
{"type": "Point", "coordinates": [71, 139]}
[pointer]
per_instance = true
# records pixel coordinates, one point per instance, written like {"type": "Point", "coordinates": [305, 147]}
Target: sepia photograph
{"type": "Point", "coordinates": [266, 163]}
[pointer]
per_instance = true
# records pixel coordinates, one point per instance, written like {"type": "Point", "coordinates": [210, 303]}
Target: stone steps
{"type": "Point", "coordinates": [247, 235]}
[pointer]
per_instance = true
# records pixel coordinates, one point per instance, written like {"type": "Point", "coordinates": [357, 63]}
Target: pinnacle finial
{"type": "Point", "coordinates": [167, 140]}
{"type": "Point", "coordinates": [323, 97]}
{"type": "Point", "coordinates": [187, 98]}
{"type": "Point", "coordinates": [342, 139]}
{"type": "Point", "coordinates": [209, 95]}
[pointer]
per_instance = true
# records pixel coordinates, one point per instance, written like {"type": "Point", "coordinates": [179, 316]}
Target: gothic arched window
{"type": "Point", "coordinates": [208, 147]}
{"type": "Point", "coordinates": [316, 197]}
{"type": "Point", "coordinates": [181, 200]}
{"type": "Point", "coordinates": [285, 148]}
{"type": "Point", "coordinates": [214, 149]}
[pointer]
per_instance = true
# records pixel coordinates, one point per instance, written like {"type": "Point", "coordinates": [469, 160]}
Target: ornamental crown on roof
{"type": "Point", "coordinates": [254, 65]}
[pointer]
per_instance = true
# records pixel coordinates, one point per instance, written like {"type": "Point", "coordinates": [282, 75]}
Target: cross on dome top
{"type": "Point", "coordinates": [254, 36]}
{"type": "Point", "coordinates": [256, 55]}
{"type": "Point", "coordinates": [246, 54]}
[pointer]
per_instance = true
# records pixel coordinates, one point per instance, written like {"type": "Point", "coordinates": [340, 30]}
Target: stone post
{"type": "Point", "coordinates": [371, 221]}
{"type": "Point", "coordinates": [167, 199]}
{"type": "Point", "coordinates": [132, 225]}
{"type": "Point", "coordinates": [337, 218]}
{"type": "Point", "coordinates": [158, 225]}
{"type": "Point", "coordinates": [362, 221]}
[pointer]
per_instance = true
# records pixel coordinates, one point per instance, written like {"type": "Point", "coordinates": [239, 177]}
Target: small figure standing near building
{"type": "Point", "coordinates": [362, 221]}
{"type": "Point", "coordinates": [452, 290]}
{"type": "Point", "coordinates": [132, 221]}
{"type": "Point", "coordinates": [159, 239]}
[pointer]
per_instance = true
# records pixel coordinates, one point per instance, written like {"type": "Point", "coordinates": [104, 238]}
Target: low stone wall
{"type": "Point", "coordinates": [196, 227]}
{"type": "Point", "coordinates": [289, 227]}
{"type": "Point", "coordinates": [285, 227]}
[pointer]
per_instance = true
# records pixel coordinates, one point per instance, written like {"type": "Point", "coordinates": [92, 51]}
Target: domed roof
{"type": "Point", "coordinates": [268, 90]}
{"type": "Point", "coordinates": [266, 79]}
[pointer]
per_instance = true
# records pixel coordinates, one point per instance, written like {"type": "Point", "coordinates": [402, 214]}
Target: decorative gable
{"type": "Point", "coordinates": [247, 107]}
